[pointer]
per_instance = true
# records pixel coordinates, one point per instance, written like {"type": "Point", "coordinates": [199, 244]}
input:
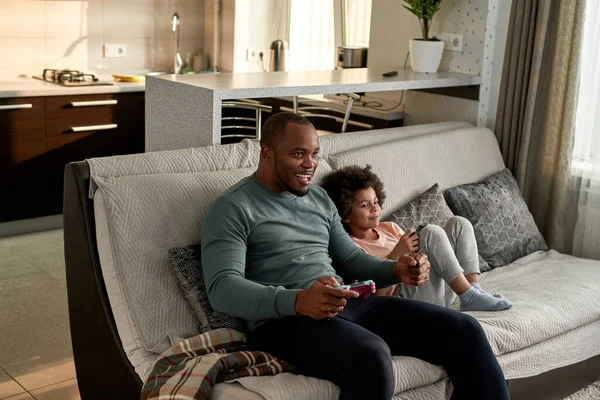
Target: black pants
{"type": "Point", "coordinates": [354, 350]}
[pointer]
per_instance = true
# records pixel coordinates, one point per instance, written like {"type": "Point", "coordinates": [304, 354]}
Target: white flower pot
{"type": "Point", "coordinates": [425, 56]}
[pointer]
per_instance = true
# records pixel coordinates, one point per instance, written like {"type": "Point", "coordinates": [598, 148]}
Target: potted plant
{"type": "Point", "coordinates": [425, 52]}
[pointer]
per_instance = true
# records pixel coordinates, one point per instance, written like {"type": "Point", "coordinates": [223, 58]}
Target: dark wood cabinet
{"type": "Point", "coordinates": [22, 130]}
{"type": "Point", "coordinates": [39, 136]}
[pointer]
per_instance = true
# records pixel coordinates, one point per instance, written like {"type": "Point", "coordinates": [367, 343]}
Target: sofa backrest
{"type": "Point", "coordinates": [148, 203]}
{"type": "Point", "coordinates": [410, 166]}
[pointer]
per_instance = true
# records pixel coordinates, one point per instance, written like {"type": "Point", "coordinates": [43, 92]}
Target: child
{"type": "Point", "coordinates": [358, 195]}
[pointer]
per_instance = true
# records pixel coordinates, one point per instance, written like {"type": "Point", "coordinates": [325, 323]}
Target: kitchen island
{"type": "Point", "coordinates": [185, 110]}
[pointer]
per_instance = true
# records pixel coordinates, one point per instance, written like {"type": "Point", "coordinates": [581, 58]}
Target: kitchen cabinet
{"type": "Point", "coordinates": [39, 136]}
{"type": "Point", "coordinates": [22, 134]}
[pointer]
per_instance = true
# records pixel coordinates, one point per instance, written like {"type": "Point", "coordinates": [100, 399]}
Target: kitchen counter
{"type": "Point", "coordinates": [185, 110]}
{"type": "Point", "coordinates": [29, 87]}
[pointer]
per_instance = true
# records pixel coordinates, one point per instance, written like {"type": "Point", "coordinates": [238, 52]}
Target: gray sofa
{"type": "Point", "coordinates": [122, 214]}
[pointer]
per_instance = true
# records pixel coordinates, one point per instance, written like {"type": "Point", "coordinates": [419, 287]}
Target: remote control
{"type": "Point", "coordinates": [391, 73]}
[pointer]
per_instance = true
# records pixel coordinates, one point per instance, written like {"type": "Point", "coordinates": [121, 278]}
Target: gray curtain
{"type": "Point", "coordinates": [535, 121]}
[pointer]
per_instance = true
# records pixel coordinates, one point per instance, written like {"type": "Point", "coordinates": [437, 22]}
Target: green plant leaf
{"type": "Point", "coordinates": [424, 10]}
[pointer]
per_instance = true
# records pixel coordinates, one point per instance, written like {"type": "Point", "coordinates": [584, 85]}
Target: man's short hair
{"type": "Point", "coordinates": [342, 184]}
{"type": "Point", "coordinates": [273, 130]}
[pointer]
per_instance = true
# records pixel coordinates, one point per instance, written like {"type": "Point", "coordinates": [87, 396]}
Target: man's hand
{"type": "Point", "coordinates": [322, 301]}
{"type": "Point", "coordinates": [328, 280]}
{"type": "Point", "coordinates": [412, 270]}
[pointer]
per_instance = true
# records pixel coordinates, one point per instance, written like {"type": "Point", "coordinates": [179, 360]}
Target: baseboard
{"type": "Point", "coordinates": [31, 225]}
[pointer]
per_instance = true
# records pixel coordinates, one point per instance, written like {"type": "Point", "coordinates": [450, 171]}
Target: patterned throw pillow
{"type": "Point", "coordinates": [429, 207]}
{"type": "Point", "coordinates": [504, 227]}
{"type": "Point", "coordinates": [187, 267]}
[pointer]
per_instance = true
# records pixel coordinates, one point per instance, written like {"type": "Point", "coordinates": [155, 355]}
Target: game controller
{"type": "Point", "coordinates": [417, 232]}
{"type": "Point", "coordinates": [362, 288]}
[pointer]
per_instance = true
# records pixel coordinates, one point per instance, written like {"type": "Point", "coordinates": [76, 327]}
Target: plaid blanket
{"type": "Point", "coordinates": [191, 368]}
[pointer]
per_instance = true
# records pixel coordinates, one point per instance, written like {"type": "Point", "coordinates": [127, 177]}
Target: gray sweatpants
{"type": "Point", "coordinates": [451, 250]}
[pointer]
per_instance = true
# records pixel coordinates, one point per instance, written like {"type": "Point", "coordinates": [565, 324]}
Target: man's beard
{"type": "Point", "coordinates": [285, 187]}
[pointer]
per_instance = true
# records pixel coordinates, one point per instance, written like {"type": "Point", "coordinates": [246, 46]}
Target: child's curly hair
{"type": "Point", "coordinates": [343, 183]}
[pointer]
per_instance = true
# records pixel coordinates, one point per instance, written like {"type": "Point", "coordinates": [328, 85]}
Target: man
{"type": "Point", "coordinates": [273, 250]}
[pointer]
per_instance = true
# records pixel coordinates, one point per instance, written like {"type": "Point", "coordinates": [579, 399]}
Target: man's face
{"type": "Point", "coordinates": [295, 159]}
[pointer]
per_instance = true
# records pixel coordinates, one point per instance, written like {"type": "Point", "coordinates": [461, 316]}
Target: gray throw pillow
{"type": "Point", "coordinates": [429, 207]}
{"type": "Point", "coordinates": [187, 267]}
{"type": "Point", "coordinates": [504, 227]}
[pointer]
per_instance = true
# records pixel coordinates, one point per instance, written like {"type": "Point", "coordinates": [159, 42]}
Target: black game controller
{"type": "Point", "coordinates": [417, 232]}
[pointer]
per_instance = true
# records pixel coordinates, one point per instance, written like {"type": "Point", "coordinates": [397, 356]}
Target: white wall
{"type": "Point", "coordinates": [392, 27]}
{"type": "Point", "coordinates": [255, 28]}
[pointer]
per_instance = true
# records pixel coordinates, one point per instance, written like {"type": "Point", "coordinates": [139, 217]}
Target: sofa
{"type": "Point", "coordinates": [122, 214]}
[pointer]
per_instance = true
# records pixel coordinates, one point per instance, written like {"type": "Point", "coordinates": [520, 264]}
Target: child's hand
{"type": "Point", "coordinates": [408, 243]}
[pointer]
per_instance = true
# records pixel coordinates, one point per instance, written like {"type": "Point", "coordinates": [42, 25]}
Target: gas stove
{"type": "Point", "coordinates": [70, 78]}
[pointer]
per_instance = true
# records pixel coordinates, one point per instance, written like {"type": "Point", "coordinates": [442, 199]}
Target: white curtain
{"type": "Point", "coordinates": [358, 22]}
{"type": "Point", "coordinates": [312, 31]}
{"type": "Point", "coordinates": [586, 149]}
{"type": "Point", "coordinates": [312, 41]}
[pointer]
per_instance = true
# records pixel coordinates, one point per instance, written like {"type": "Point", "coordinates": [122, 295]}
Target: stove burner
{"type": "Point", "coordinates": [67, 77]}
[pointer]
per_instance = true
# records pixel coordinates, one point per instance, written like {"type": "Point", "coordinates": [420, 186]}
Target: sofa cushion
{"type": "Point", "coordinates": [428, 207]}
{"type": "Point", "coordinates": [410, 374]}
{"type": "Point", "coordinates": [187, 267]}
{"type": "Point", "coordinates": [504, 227]}
{"type": "Point", "coordinates": [199, 159]}
{"type": "Point", "coordinates": [333, 144]}
{"type": "Point", "coordinates": [147, 215]}
{"type": "Point", "coordinates": [554, 296]}
{"type": "Point", "coordinates": [410, 166]}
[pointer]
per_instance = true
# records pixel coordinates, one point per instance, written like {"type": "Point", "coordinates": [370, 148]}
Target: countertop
{"type": "Point", "coordinates": [29, 87]}
{"type": "Point", "coordinates": [185, 110]}
{"type": "Point", "coordinates": [278, 84]}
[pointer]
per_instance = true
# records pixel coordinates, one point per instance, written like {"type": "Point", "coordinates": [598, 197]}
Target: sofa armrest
{"type": "Point", "coordinates": [103, 370]}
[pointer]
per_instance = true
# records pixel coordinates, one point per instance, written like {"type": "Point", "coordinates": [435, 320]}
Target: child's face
{"type": "Point", "coordinates": [366, 211]}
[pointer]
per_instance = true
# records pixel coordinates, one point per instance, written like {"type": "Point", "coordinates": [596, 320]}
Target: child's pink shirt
{"type": "Point", "coordinates": [389, 234]}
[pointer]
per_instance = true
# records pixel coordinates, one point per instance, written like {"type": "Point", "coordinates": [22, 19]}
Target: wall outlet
{"type": "Point", "coordinates": [252, 54]}
{"type": "Point", "coordinates": [452, 41]}
{"type": "Point", "coordinates": [115, 50]}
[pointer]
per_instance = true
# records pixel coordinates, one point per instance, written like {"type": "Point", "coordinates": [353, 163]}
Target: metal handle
{"type": "Point", "coordinates": [16, 107]}
{"type": "Point", "coordinates": [337, 119]}
{"type": "Point", "coordinates": [247, 106]}
{"type": "Point", "coordinates": [77, 129]}
{"type": "Point", "coordinates": [93, 103]}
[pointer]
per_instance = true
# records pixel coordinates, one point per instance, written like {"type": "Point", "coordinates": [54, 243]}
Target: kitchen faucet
{"type": "Point", "coordinates": [178, 61]}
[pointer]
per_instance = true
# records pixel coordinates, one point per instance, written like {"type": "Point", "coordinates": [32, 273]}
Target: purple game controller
{"type": "Point", "coordinates": [362, 288]}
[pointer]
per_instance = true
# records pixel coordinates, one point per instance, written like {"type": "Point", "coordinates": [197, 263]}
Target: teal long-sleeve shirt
{"type": "Point", "coordinates": [260, 248]}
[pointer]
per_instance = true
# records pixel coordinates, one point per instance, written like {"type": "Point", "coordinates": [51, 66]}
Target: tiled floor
{"type": "Point", "coordinates": [36, 360]}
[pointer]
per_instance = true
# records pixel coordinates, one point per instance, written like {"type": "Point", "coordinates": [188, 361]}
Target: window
{"type": "Point", "coordinates": [312, 42]}
{"type": "Point", "coordinates": [357, 22]}
{"type": "Point", "coordinates": [313, 31]}
{"type": "Point", "coordinates": [586, 150]}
